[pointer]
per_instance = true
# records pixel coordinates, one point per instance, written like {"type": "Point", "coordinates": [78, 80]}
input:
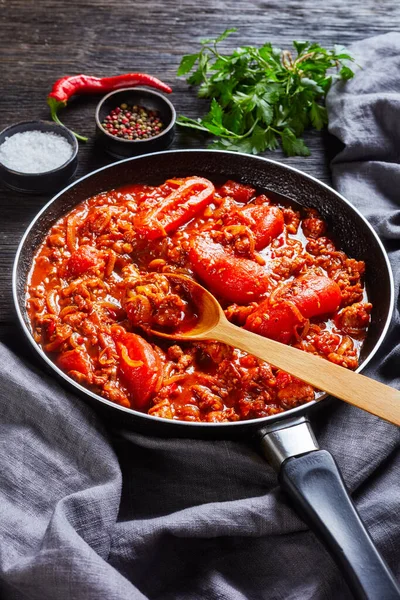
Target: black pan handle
{"type": "Point", "coordinates": [313, 481]}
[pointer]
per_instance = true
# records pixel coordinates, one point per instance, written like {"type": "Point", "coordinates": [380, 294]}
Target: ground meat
{"type": "Point", "coordinates": [216, 351]}
{"type": "Point", "coordinates": [258, 375]}
{"type": "Point", "coordinates": [216, 417]}
{"type": "Point", "coordinates": [222, 416]}
{"type": "Point", "coordinates": [292, 219]}
{"type": "Point", "coordinates": [326, 342]}
{"type": "Point", "coordinates": [295, 393]}
{"type": "Point", "coordinates": [111, 391]}
{"type": "Point", "coordinates": [352, 271]}
{"type": "Point", "coordinates": [348, 274]}
{"type": "Point", "coordinates": [238, 314]}
{"type": "Point", "coordinates": [313, 226]}
{"type": "Point", "coordinates": [57, 239]}
{"type": "Point", "coordinates": [242, 241]}
{"type": "Point", "coordinates": [354, 319]}
{"type": "Point", "coordinates": [182, 361]}
{"type": "Point", "coordinates": [322, 245]}
{"type": "Point", "coordinates": [151, 303]}
{"type": "Point", "coordinates": [139, 308]}
{"type": "Point", "coordinates": [225, 209]}
{"type": "Point", "coordinates": [352, 294]}
{"type": "Point", "coordinates": [251, 407]}
{"type": "Point", "coordinates": [130, 273]}
{"type": "Point", "coordinates": [169, 311]}
{"type": "Point", "coordinates": [237, 237]}
{"type": "Point", "coordinates": [75, 319]}
{"type": "Point", "coordinates": [206, 399]}
{"type": "Point", "coordinates": [188, 412]}
{"type": "Point", "coordinates": [99, 219]}
{"type": "Point", "coordinates": [178, 254]}
{"type": "Point", "coordinates": [284, 267]}
{"type": "Point", "coordinates": [162, 409]}
{"type": "Point", "coordinates": [345, 355]}
{"type": "Point", "coordinates": [229, 375]}
{"type": "Point", "coordinates": [175, 353]}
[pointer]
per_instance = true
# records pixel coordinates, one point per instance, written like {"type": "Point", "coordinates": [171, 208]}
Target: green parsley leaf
{"type": "Point", "coordinates": [196, 78]}
{"type": "Point", "coordinates": [271, 140]}
{"type": "Point", "coordinates": [234, 120]}
{"type": "Point", "coordinates": [258, 140]}
{"type": "Point", "coordinates": [206, 90]}
{"type": "Point", "coordinates": [310, 83]}
{"type": "Point", "coordinates": [265, 111]}
{"type": "Point", "coordinates": [215, 112]}
{"type": "Point", "coordinates": [263, 97]}
{"type": "Point", "coordinates": [292, 145]}
{"type": "Point", "coordinates": [346, 73]}
{"type": "Point", "coordinates": [224, 35]}
{"type": "Point", "coordinates": [187, 63]}
{"type": "Point", "coordinates": [300, 46]}
{"type": "Point", "coordinates": [245, 145]}
{"type": "Point", "coordinates": [318, 115]}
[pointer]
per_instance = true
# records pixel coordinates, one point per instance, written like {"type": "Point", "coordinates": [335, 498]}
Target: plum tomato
{"type": "Point", "coordinates": [83, 259]}
{"type": "Point", "coordinates": [74, 360]}
{"type": "Point", "coordinates": [234, 279]}
{"type": "Point", "coordinates": [179, 207]}
{"type": "Point", "coordinates": [266, 223]}
{"type": "Point", "coordinates": [140, 366]}
{"type": "Point", "coordinates": [307, 296]}
{"type": "Point", "coordinates": [238, 191]}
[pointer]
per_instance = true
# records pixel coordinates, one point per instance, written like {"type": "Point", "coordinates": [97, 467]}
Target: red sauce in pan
{"type": "Point", "coordinates": [97, 286]}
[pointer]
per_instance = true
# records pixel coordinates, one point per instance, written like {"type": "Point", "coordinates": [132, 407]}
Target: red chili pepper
{"type": "Point", "coordinates": [68, 86]}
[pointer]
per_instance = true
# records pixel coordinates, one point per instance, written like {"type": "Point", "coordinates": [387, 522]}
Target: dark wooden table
{"type": "Point", "coordinates": [42, 41]}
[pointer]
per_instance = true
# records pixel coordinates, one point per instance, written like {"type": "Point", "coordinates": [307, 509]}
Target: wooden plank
{"type": "Point", "coordinates": [43, 41]}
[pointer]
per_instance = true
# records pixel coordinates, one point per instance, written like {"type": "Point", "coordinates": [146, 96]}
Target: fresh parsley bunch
{"type": "Point", "coordinates": [263, 96]}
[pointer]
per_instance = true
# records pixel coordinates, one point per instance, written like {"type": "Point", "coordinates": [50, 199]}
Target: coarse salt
{"type": "Point", "coordinates": [35, 151]}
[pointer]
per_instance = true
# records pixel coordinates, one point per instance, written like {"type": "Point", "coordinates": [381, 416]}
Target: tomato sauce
{"type": "Point", "coordinates": [97, 288]}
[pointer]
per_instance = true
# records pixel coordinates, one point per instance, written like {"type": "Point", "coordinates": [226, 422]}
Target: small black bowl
{"type": "Point", "coordinates": [120, 148]}
{"type": "Point", "coordinates": [47, 181]}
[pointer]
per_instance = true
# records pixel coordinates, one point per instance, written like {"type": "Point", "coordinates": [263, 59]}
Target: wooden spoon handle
{"type": "Point", "coordinates": [372, 396]}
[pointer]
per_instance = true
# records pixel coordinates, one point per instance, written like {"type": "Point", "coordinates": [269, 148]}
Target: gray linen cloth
{"type": "Point", "coordinates": [89, 514]}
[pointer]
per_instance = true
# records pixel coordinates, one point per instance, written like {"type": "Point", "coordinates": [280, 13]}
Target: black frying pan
{"type": "Point", "coordinates": [309, 475]}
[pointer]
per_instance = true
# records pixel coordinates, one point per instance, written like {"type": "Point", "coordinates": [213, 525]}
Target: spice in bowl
{"type": "Point", "coordinates": [35, 151]}
{"type": "Point", "coordinates": [133, 122]}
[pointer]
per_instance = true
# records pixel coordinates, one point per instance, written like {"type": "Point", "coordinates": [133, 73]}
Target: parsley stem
{"type": "Point", "coordinates": [192, 123]}
{"type": "Point", "coordinates": [250, 131]}
{"type": "Point", "coordinates": [274, 130]}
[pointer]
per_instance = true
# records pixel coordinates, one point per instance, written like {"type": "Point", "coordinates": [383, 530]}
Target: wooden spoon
{"type": "Point", "coordinates": [372, 396]}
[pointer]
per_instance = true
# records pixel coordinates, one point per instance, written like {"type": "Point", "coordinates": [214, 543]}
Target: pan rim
{"type": "Point", "coordinates": [261, 422]}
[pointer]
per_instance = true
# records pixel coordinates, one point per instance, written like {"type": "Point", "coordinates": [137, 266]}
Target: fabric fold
{"type": "Point", "coordinates": [87, 512]}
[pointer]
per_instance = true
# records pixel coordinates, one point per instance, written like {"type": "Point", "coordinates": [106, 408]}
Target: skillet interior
{"type": "Point", "coordinates": [352, 232]}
